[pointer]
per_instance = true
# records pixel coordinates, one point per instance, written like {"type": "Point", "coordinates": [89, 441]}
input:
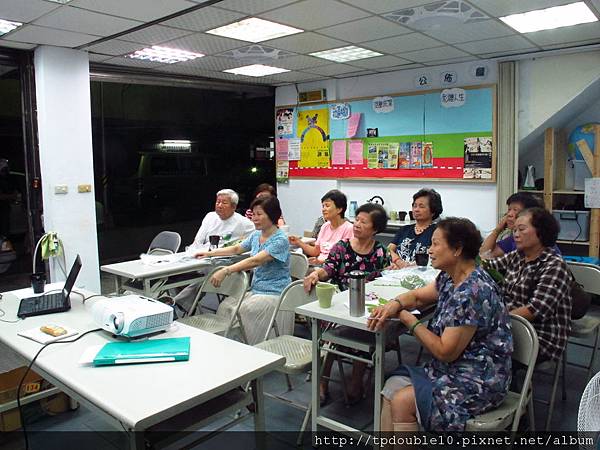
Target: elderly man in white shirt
{"type": "Point", "coordinates": [223, 221]}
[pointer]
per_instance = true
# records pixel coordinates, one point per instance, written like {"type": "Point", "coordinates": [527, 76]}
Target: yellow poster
{"type": "Point", "coordinates": [313, 131]}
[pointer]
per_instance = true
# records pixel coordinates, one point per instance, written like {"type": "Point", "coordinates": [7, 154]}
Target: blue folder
{"type": "Point", "coordinates": [149, 351]}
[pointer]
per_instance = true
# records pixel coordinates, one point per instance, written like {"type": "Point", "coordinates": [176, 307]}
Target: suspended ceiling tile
{"type": "Point", "coordinates": [19, 45]}
{"type": "Point", "coordinates": [582, 32]}
{"type": "Point", "coordinates": [509, 43]}
{"type": "Point", "coordinates": [115, 47]}
{"type": "Point", "coordinates": [332, 69]}
{"type": "Point", "coordinates": [34, 34]}
{"type": "Point", "coordinates": [130, 62]}
{"type": "Point", "coordinates": [313, 14]}
{"type": "Point", "coordinates": [361, 73]}
{"type": "Point", "coordinates": [443, 62]}
{"type": "Point", "coordinates": [367, 29]}
{"type": "Point", "coordinates": [82, 21]}
{"type": "Point", "coordinates": [500, 8]}
{"type": "Point", "coordinates": [293, 77]}
{"type": "Point", "coordinates": [432, 54]}
{"type": "Point", "coordinates": [155, 34]}
{"type": "Point", "coordinates": [204, 19]}
{"type": "Point", "coordinates": [378, 62]}
{"type": "Point", "coordinates": [404, 43]}
{"type": "Point", "coordinates": [98, 57]}
{"type": "Point", "coordinates": [144, 10]}
{"type": "Point", "coordinates": [474, 31]}
{"type": "Point", "coordinates": [25, 11]}
{"type": "Point", "coordinates": [213, 63]}
{"type": "Point", "coordinates": [402, 67]}
{"type": "Point", "coordinates": [253, 7]}
{"type": "Point", "coordinates": [299, 62]}
{"type": "Point", "coordinates": [384, 6]}
{"type": "Point", "coordinates": [305, 43]}
{"type": "Point", "coordinates": [509, 52]}
{"type": "Point", "coordinates": [204, 43]}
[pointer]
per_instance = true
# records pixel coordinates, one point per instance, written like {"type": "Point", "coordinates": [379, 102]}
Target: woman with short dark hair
{"type": "Point", "coordinates": [413, 239]}
{"type": "Point", "coordinates": [335, 229]}
{"type": "Point", "coordinates": [264, 190]}
{"type": "Point", "coordinates": [469, 338]}
{"type": "Point", "coordinates": [537, 281]}
{"type": "Point", "coordinates": [361, 252]}
{"type": "Point", "coordinates": [270, 259]}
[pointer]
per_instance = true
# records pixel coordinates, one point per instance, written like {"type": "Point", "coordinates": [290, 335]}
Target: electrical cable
{"type": "Point", "coordinates": [27, 371]}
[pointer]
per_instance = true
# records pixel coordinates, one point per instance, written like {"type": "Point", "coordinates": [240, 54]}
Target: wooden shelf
{"type": "Point", "coordinates": [561, 241]}
{"type": "Point", "coordinates": [565, 192]}
{"type": "Point", "coordinates": [531, 191]}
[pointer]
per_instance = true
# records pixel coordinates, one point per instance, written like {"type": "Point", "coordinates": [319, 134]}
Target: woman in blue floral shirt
{"type": "Point", "coordinates": [362, 252]}
{"type": "Point", "coordinates": [469, 338]}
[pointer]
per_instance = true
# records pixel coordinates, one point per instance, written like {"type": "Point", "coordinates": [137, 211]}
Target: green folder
{"type": "Point", "coordinates": [149, 351]}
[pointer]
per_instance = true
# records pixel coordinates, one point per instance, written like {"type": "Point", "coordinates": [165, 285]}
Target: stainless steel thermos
{"type": "Point", "coordinates": [357, 293]}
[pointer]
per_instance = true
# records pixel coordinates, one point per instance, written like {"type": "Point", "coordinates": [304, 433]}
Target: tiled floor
{"type": "Point", "coordinates": [283, 417]}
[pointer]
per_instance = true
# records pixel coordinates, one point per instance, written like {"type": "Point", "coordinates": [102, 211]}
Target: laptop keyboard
{"type": "Point", "coordinates": [48, 302]}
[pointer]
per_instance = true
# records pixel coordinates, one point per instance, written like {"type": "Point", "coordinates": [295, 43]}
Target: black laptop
{"type": "Point", "coordinates": [51, 303]}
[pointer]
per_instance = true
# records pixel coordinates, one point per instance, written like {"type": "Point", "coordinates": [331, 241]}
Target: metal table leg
{"type": "Point", "coordinates": [379, 362]}
{"type": "Point", "coordinates": [316, 370]}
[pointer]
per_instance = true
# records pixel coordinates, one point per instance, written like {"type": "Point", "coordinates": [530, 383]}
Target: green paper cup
{"type": "Point", "coordinates": [325, 292]}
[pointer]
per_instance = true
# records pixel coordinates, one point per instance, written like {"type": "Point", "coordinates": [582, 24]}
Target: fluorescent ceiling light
{"type": "Point", "coordinates": [256, 70]}
{"type": "Point", "coordinates": [164, 55]}
{"type": "Point", "coordinates": [344, 54]}
{"type": "Point", "coordinates": [254, 30]}
{"type": "Point", "coordinates": [550, 18]}
{"type": "Point", "coordinates": [7, 26]}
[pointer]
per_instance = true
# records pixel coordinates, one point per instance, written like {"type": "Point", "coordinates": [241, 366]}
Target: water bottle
{"type": "Point", "coordinates": [357, 293]}
{"type": "Point", "coordinates": [353, 208]}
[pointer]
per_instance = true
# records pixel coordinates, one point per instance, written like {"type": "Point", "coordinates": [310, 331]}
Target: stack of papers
{"type": "Point", "coordinates": [159, 260]}
{"type": "Point", "coordinates": [35, 334]}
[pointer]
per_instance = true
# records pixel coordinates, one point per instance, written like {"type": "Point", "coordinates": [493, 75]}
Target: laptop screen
{"type": "Point", "coordinates": [72, 277]}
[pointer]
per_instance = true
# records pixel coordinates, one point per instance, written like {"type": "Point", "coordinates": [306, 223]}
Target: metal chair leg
{"type": "Point", "coordinates": [343, 377]}
{"type": "Point", "coordinates": [553, 395]}
{"type": "Point", "coordinates": [417, 362]}
{"type": "Point", "coordinates": [304, 424]}
{"type": "Point", "coordinates": [289, 382]}
{"type": "Point", "coordinates": [531, 412]}
{"type": "Point", "coordinates": [564, 378]}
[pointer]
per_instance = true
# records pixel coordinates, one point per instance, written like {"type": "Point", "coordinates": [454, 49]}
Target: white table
{"type": "Point", "coordinates": [148, 274]}
{"type": "Point", "coordinates": [339, 313]}
{"type": "Point", "coordinates": [137, 397]}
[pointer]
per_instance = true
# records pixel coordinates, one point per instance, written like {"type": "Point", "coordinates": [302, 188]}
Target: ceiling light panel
{"type": "Point", "coordinates": [254, 30]}
{"type": "Point", "coordinates": [6, 26]}
{"type": "Point", "coordinates": [550, 18]}
{"type": "Point", "coordinates": [345, 54]}
{"type": "Point", "coordinates": [256, 70]}
{"type": "Point", "coordinates": [164, 55]}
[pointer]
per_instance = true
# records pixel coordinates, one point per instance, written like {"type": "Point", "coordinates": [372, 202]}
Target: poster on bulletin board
{"type": "Point", "coordinates": [418, 137]}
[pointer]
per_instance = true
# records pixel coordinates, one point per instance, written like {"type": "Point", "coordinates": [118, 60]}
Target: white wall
{"type": "Point", "coordinates": [65, 139]}
{"type": "Point", "coordinates": [300, 198]}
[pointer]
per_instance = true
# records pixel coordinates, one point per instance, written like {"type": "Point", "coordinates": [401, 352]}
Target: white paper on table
{"type": "Point", "coordinates": [88, 355]}
{"type": "Point", "coordinates": [35, 334]}
{"type": "Point", "coordinates": [159, 260]}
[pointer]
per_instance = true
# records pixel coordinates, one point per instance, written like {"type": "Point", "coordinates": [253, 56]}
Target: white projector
{"type": "Point", "coordinates": [132, 315]}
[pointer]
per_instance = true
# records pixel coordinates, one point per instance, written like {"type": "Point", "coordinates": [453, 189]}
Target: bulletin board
{"type": "Point", "coordinates": [443, 134]}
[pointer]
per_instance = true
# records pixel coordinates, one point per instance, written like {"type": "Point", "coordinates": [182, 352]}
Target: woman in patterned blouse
{"type": "Point", "coordinates": [469, 338]}
{"type": "Point", "coordinates": [362, 252]}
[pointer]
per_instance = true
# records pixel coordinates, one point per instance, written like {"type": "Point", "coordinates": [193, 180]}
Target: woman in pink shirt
{"type": "Point", "coordinates": [335, 229]}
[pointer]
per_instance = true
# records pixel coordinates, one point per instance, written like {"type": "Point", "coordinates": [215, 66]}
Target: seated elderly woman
{"type": "Point", "coordinates": [336, 228]}
{"type": "Point", "coordinates": [361, 252]}
{"type": "Point", "coordinates": [537, 281]}
{"type": "Point", "coordinates": [501, 240]}
{"type": "Point", "coordinates": [416, 238]}
{"type": "Point", "coordinates": [270, 255]}
{"type": "Point", "coordinates": [469, 338]}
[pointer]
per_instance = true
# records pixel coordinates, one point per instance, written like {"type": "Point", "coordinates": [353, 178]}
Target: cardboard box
{"type": "Point", "coordinates": [9, 382]}
{"type": "Point", "coordinates": [10, 420]}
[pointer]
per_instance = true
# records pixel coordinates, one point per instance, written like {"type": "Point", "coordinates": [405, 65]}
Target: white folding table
{"type": "Point", "coordinates": [147, 274]}
{"type": "Point", "coordinates": [139, 396]}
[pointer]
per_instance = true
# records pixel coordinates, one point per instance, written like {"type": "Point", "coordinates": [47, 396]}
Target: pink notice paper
{"type": "Point", "coordinates": [353, 123]}
{"type": "Point", "coordinates": [339, 152]}
{"type": "Point", "coordinates": [355, 153]}
{"type": "Point", "coordinates": [282, 149]}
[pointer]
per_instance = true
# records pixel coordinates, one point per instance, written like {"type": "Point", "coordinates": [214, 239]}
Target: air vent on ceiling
{"type": "Point", "coordinates": [256, 54]}
{"type": "Point", "coordinates": [437, 15]}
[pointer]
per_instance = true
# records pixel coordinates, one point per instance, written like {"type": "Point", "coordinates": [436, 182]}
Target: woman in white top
{"type": "Point", "coordinates": [335, 229]}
